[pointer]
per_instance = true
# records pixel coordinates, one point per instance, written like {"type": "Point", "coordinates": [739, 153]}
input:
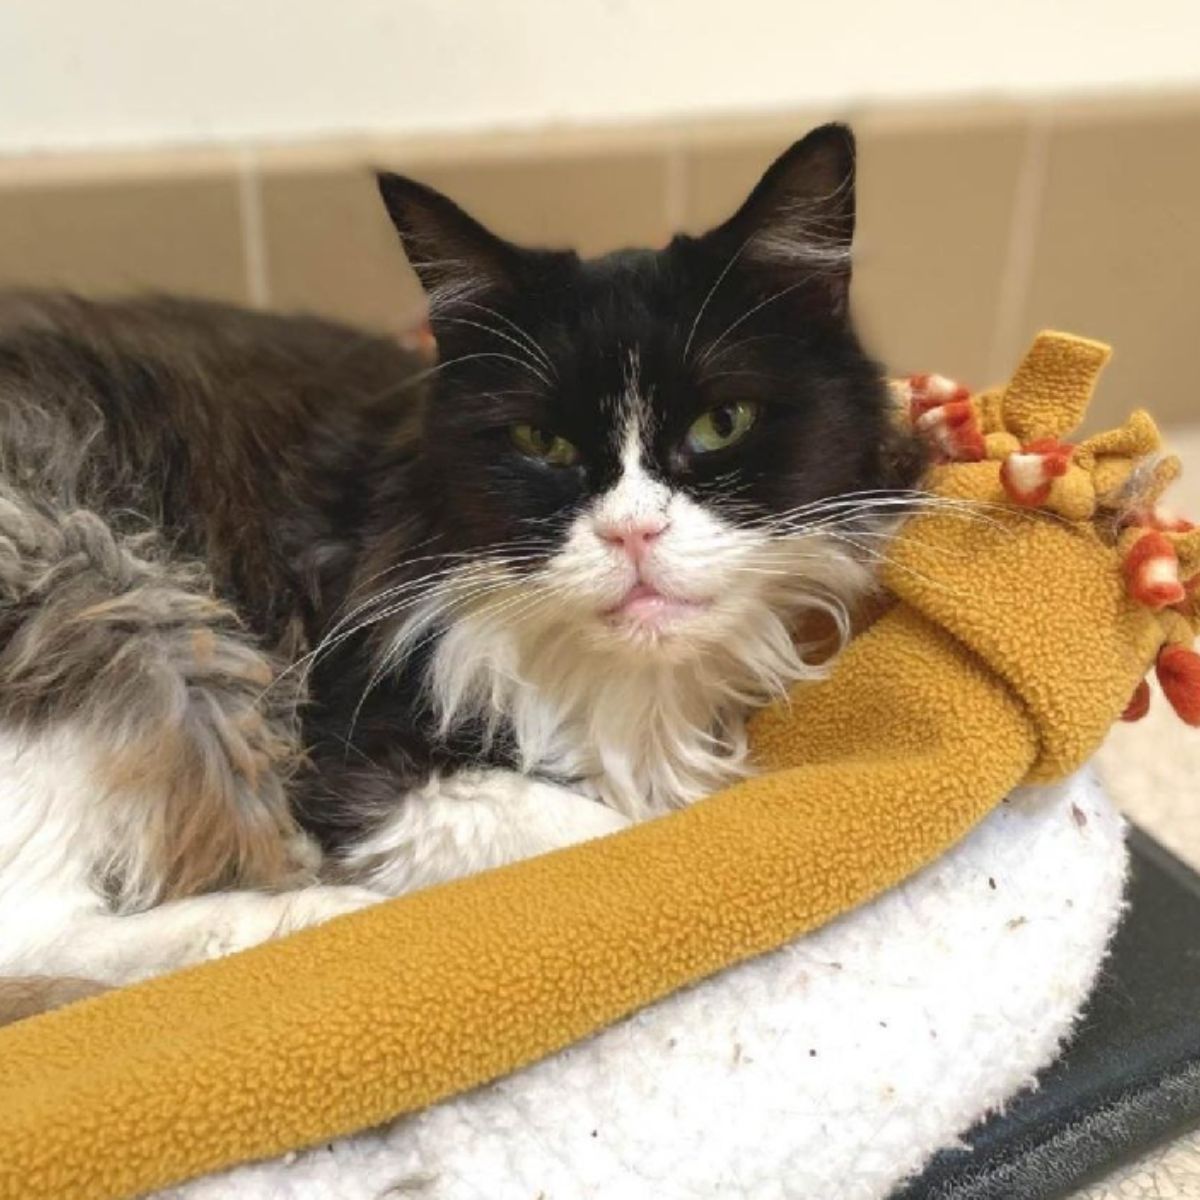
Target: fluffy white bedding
{"type": "Point", "coordinates": [829, 1070]}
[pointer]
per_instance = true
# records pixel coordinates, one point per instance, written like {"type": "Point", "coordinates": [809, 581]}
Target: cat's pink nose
{"type": "Point", "coordinates": [633, 536]}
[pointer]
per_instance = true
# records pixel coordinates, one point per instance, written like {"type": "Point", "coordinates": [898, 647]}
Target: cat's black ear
{"type": "Point", "coordinates": [454, 256]}
{"type": "Point", "coordinates": [798, 223]}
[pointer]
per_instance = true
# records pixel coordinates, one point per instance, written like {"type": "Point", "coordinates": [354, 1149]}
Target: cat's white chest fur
{"type": "Point", "coordinates": [641, 737]}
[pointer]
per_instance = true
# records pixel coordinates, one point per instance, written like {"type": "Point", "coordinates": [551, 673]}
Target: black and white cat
{"type": "Point", "coordinates": [288, 622]}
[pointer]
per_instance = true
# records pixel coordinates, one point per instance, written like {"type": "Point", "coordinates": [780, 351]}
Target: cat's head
{"type": "Point", "coordinates": [656, 450]}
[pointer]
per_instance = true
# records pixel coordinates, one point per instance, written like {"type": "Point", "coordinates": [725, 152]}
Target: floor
{"type": "Point", "coordinates": [1152, 768]}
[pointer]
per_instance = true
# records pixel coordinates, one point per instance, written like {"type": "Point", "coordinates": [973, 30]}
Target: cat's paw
{"type": "Point", "coordinates": [314, 905]}
{"type": "Point", "coordinates": [580, 820]}
{"type": "Point", "coordinates": [252, 918]}
{"type": "Point", "coordinates": [472, 821]}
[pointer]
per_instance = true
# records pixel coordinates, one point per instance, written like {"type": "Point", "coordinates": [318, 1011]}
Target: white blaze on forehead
{"type": "Point", "coordinates": [635, 495]}
{"type": "Point", "coordinates": [631, 413]}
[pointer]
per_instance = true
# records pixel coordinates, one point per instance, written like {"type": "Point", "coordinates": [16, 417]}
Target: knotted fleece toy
{"type": "Point", "coordinates": [1013, 641]}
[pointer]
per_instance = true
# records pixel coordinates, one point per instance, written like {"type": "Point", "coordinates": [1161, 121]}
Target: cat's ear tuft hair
{"type": "Point", "coordinates": [453, 255]}
{"type": "Point", "coordinates": [799, 219]}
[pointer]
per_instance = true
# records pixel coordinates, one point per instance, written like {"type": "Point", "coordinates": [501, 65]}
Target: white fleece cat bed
{"type": "Point", "coordinates": [829, 1070]}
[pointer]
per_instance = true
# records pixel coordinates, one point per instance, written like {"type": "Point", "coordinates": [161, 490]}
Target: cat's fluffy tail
{"type": "Point", "coordinates": [119, 639]}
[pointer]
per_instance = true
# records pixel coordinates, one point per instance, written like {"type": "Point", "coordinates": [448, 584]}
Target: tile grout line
{"type": "Point", "coordinates": [1016, 278]}
{"type": "Point", "coordinates": [254, 242]}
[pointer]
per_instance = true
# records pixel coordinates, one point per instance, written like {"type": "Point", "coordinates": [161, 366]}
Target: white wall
{"type": "Point", "coordinates": [87, 73]}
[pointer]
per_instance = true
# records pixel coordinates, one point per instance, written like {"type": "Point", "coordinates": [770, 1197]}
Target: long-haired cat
{"type": "Point", "coordinates": [288, 621]}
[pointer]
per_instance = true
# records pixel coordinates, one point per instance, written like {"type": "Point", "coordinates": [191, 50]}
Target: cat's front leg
{"type": "Point", "coordinates": [112, 948]}
{"type": "Point", "coordinates": [456, 825]}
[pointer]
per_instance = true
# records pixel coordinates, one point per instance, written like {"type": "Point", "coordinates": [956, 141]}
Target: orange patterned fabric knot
{"type": "Point", "coordinates": [1164, 519]}
{"type": "Point", "coordinates": [1110, 483]}
{"type": "Point", "coordinates": [1160, 573]}
{"type": "Point", "coordinates": [942, 411]}
{"type": "Point", "coordinates": [1028, 474]}
{"type": "Point", "coordinates": [930, 391]}
{"type": "Point", "coordinates": [1152, 571]}
{"type": "Point", "coordinates": [1178, 670]}
{"type": "Point", "coordinates": [1139, 704]}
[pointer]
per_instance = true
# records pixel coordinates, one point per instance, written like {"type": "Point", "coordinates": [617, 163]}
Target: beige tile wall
{"type": "Point", "coordinates": [978, 224]}
{"type": "Point", "coordinates": [112, 227]}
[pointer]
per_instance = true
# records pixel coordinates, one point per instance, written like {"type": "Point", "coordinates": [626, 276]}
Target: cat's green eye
{"type": "Point", "coordinates": [721, 427]}
{"type": "Point", "coordinates": [546, 447]}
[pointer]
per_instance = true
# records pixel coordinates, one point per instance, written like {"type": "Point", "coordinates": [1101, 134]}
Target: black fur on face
{"type": "Point", "coordinates": [753, 312]}
{"type": "Point", "coordinates": [494, 573]}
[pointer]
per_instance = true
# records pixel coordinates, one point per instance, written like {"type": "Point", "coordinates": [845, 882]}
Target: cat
{"type": "Point", "coordinates": [291, 619]}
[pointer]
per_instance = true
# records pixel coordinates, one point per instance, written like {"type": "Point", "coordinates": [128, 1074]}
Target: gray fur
{"type": "Point", "coordinates": [108, 631]}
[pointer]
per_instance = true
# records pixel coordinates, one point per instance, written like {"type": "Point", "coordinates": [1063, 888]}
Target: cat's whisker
{"type": "Point", "coordinates": [387, 593]}
{"type": "Point", "coordinates": [518, 605]}
{"type": "Point", "coordinates": [906, 568]}
{"type": "Point", "coordinates": [453, 561]}
{"type": "Point", "coordinates": [740, 344]}
{"type": "Point", "coordinates": [307, 662]}
{"type": "Point", "coordinates": [710, 376]}
{"type": "Point", "coordinates": [712, 291]}
{"type": "Point", "coordinates": [503, 551]}
{"type": "Point", "coordinates": [888, 541]}
{"type": "Point", "coordinates": [890, 494]}
{"type": "Point", "coordinates": [401, 648]}
{"type": "Point", "coordinates": [788, 557]}
{"type": "Point", "coordinates": [815, 515]}
{"type": "Point", "coordinates": [346, 628]}
{"type": "Point", "coordinates": [555, 521]}
{"type": "Point", "coordinates": [782, 572]}
{"type": "Point", "coordinates": [396, 566]}
{"type": "Point", "coordinates": [533, 364]}
{"type": "Point", "coordinates": [881, 553]}
{"type": "Point", "coordinates": [530, 340]}
{"type": "Point", "coordinates": [446, 587]}
{"type": "Point", "coordinates": [422, 585]}
{"type": "Point", "coordinates": [922, 500]}
{"type": "Point", "coordinates": [778, 295]}
{"type": "Point", "coordinates": [420, 377]}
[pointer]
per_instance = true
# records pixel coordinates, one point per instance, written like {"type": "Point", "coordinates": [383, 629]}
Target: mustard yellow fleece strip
{"type": "Point", "coordinates": [1010, 648]}
{"type": "Point", "coordinates": [389, 1010]}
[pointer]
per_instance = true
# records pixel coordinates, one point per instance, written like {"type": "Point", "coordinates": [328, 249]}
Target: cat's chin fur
{"type": "Point", "coordinates": [643, 721]}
